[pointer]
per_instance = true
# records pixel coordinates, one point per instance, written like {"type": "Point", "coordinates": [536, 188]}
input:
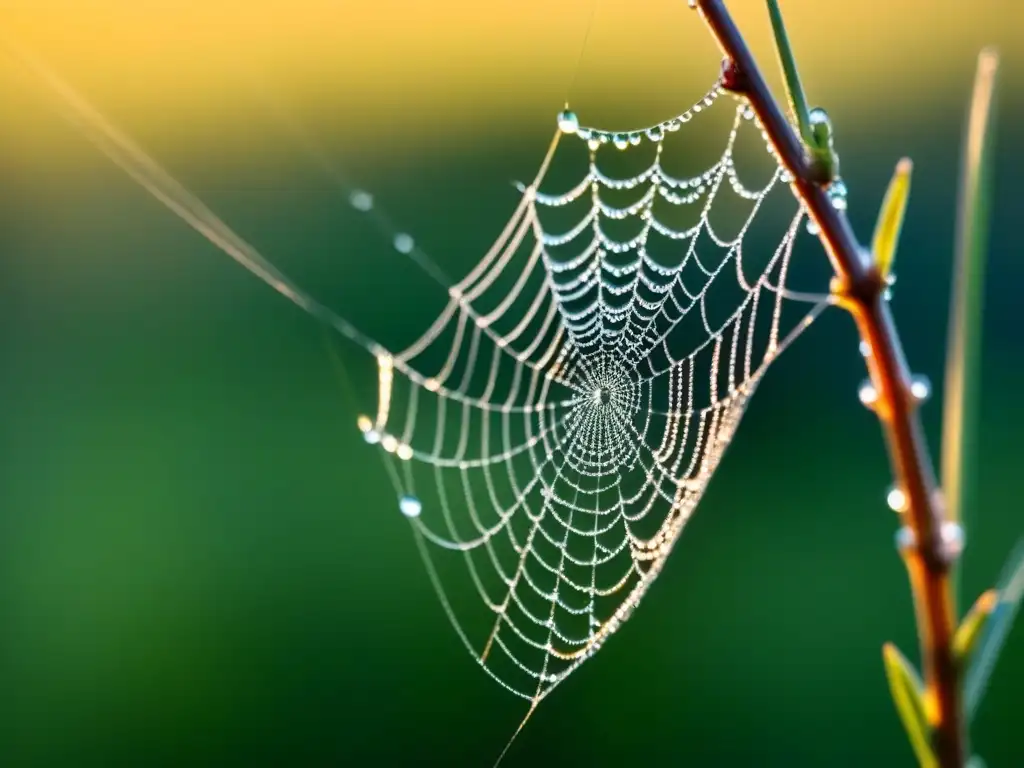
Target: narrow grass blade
{"type": "Point", "coordinates": [794, 88]}
{"type": "Point", "coordinates": [1010, 590]}
{"type": "Point", "coordinates": [908, 696]}
{"type": "Point", "coordinates": [959, 429]}
{"type": "Point", "coordinates": [890, 217]}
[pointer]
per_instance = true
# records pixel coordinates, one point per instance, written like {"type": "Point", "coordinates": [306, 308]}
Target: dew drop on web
{"type": "Point", "coordinates": [361, 200]}
{"type": "Point", "coordinates": [410, 506]}
{"type": "Point", "coordinates": [404, 243]}
{"type": "Point", "coordinates": [568, 122]}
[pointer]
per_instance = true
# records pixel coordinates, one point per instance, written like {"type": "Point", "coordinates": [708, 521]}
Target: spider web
{"type": "Point", "coordinates": [551, 433]}
{"type": "Point", "coordinates": [557, 425]}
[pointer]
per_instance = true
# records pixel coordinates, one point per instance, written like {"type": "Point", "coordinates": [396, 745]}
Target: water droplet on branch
{"type": "Point", "coordinates": [920, 388]}
{"type": "Point", "coordinates": [897, 500]}
{"type": "Point", "coordinates": [837, 194]}
{"type": "Point", "coordinates": [867, 393]}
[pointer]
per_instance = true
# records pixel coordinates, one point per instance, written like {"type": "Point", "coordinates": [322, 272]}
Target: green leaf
{"type": "Point", "coordinates": [960, 400]}
{"type": "Point", "coordinates": [794, 88]}
{"type": "Point", "coordinates": [983, 660]}
{"type": "Point", "coordinates": [908, 696]}
{"type": "Point", "coordinates": [966, 638]}
{"type": "Point", "coordinates": [890, 217]}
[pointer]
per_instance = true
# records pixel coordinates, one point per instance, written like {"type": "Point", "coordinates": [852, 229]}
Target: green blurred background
{"type": "Point", "coordinates": [200, 560]}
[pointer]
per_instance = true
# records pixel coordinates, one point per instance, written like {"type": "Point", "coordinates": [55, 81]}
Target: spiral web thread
{"type": "Point", "coordinates": [556, 426]}
{"type": "Point", "coordinates": [567, 431]}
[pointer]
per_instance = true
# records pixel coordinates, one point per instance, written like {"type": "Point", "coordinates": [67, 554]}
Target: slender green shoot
{"type": "Point", "coordinates": [794, 88]}
{"type": "Point", "coordinates": [963, 356]}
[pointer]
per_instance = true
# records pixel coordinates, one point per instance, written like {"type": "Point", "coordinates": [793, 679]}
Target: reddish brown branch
{"type": "Point", "coordinates": [861, 290]}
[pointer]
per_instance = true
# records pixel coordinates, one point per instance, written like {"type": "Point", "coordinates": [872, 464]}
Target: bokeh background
{"type": "Point", "coordinates": [200, 561]}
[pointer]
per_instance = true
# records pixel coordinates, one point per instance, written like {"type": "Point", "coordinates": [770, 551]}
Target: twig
{"type": "Point", "coordinates": [927, 550]}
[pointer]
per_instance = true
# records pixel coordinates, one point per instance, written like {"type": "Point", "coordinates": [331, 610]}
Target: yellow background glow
{"type": "Point", "coordinates": [462, 67]}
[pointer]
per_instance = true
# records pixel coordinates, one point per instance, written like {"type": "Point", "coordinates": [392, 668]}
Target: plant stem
{"type": "Point", "coordinates": [860, 289]}
{"type": "Point", "coordinates": [961, 399]}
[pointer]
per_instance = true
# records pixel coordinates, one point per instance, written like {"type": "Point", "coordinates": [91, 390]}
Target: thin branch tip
{"type": "Point", "coordinates": [859, 287]}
